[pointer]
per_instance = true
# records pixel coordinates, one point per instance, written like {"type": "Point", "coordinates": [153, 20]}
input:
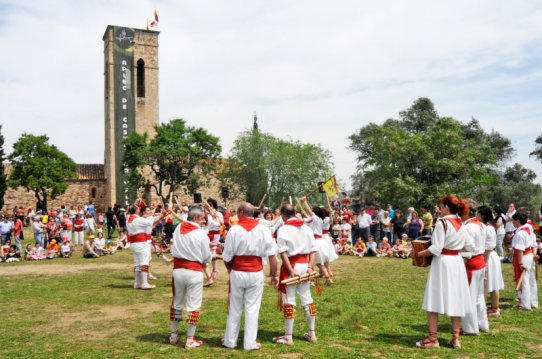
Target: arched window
{"type": "Point", "coordinates": [93, 192]}
{"type": "Point", "coordinates": [140, 78]}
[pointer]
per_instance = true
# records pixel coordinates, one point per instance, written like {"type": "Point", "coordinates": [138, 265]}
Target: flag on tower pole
{"type": "Point", "coordinates": [155, 21]}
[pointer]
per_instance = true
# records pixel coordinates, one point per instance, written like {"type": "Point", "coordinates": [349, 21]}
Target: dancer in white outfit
{"type": "Point", "coordinates": [447, 289]}
{"type": "Point", "coordinates": [138, 232]}
{"type": "Point", "coordinates": [191, 255]}
{"type": "Point", "coordinates": [523, 261]}
{"type": "Point", "coordinates": [245, 246]}
{"type": "Point", "coordinates": [475, 322]}
{"type": "Point", "coordinates": [494, 282]}
{"type": "Point", "coordinates": [298, 252]}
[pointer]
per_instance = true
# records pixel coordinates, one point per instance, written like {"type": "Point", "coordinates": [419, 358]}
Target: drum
{"type": "Point", "coordinates": [418, 245]}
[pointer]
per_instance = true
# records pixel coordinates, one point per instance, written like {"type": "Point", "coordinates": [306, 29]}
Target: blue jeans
{"type": "Point", "coordinates": [5, 237]}
{"type": "Point", "coordinates": [40, 237]}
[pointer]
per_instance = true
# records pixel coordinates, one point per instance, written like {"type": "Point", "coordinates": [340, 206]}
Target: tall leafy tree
{"type": "Point", "coordinates": [40, 167]}
{"type": "Point", "coordinates": [414, 159]}
{"type": "Point", "coordinates": [538, 148]}
{"type": "Point", "coordinates": [179, 157]}
{"type": "Point", "coordinates": [3, 183]}
{"type": "Point", "coordinates": [261, 163]}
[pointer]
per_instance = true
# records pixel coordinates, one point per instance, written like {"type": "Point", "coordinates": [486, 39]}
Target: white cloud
{"type": "Point", "coordinates": [313, 70]}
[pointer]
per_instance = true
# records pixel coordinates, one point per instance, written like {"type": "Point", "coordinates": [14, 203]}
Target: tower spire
{"type": "Point", "coordinates": [255, 126]}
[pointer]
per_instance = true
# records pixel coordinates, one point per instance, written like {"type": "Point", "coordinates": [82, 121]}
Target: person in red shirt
{"type": "Point", "coordinates": [18, 232]}
{"type": "Point", "coordinates": [78, 230]}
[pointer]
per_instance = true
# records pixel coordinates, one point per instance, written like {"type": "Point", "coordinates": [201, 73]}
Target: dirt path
{"type": "Point", "coordinates": [56, 269]}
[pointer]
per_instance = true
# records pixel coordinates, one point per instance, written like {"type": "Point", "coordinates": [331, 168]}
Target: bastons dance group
{"type": "Point", "coordinates": [464, 263]}
{"type": "Point", "coordinates": [462, 245]}
{"type": "Point", "coordinates": [300, 243]}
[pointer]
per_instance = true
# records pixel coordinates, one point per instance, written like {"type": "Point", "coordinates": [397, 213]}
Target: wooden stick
{"type": "Point", "coordinates": [296, 280]}
{"type": "Point", "coordinates": [290, 199]}
{"type": "Point", "coordinates": [518, 285]}
{"type": "Point", "coordinates": [312, 192]}
{"type": "Point", "coordinates": [328, 203]}
{"type": "Point", "coordinates": [263, 199]}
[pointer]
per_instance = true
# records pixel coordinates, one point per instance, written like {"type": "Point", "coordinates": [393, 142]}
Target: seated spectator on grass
{"type": "Point", "coordinates": [384, 249]}
{"type": "Point", "coordinates": [108, 249]}
{"type": "Point", "coordinates": [398, 250]}
{"type": "Point", "coordinates": [346, 229]}
{"type": "Point", "coordinates": [407, 247]}
{"type": "Point", "coordinates": [13, 255]}
{"type": "Point", "coordinates": [336, 229]}
{"type": "Point", "coordinates": [99, 244]}
{"type": "Point", "coordinates": [37, 252]}
{"type": "Point", "coordinates": [88, 248]}
{"type": "Point", "coordinates": [122, 240]}
{"type": "Point", "coordinates": [336, 246]}
{"type": "Point", "coordinates": [28, 252]}
{"type": "Point", "coordinates": [372, 250]}
{"type": "Point", "coordinates": [53, 249]}
{"type": "Point", "coordinates": [66, 249]}
{"type": "Point", "coordinates": [347, 249]}
{"type": "Point", "coordinates": [360, 249]}
{"type": "Point", "coordinates": [4, 250]}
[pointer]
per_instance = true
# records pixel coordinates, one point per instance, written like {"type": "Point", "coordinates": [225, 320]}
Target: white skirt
{"type": "Point", "coordinates": [331, 248]}
{"type": "Point", "coordinates": [322, 251]}
{"type": "Point", "coordinates": [447, 288]}
{"type": "Point", "coordinates": [494, 273]}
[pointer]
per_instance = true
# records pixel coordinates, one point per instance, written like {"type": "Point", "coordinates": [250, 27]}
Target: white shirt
{"type": "Point", "coordinates": [364, 220]}
{"type": "Point", "coordinates": [193, 245]}
{"type": "Point", "coordinates": [316, 224]}
{"type": "Point", "coordinates": [214, 224]}
{"type": "Point", "coordinates": [256, 242]}
{"type": "Point", "coordinates": [509, 226]}
{"type": "Point", "coordinates": [477, 233]}
{"type": "Point", "coordinates": [491, 238]}
{"type": "Point", "coordinates": [522, 239]}
{"type": "Point", "coordinates": [450, 239]}
{"type": "Point", "coordinates": [295, 240]}
{"type": "Point", "coordinates": [139, 225]}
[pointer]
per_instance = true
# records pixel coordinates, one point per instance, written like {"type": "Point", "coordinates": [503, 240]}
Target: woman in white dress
{"type": "Point", "coordinates": [494, 281]}
{"type": "Point", "coordinates": [447, 288]}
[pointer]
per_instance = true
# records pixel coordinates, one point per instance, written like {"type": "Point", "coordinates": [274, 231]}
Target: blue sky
{"type": "Point", "coordinates": [315, 71]}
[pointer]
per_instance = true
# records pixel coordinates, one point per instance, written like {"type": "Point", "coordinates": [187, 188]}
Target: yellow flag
{"type": "Point", "coordinates": [331, 187]}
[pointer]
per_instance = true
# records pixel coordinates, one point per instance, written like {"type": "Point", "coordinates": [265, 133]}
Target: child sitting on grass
{"type": "Point", "coordinates": [372, 250]}
{"type": "Point", "coordinates": [66, 249]}
{"type": "Point", "coordinates": [5, 250]}
{"type": "Point", "coordinates": [360, 249]}
{"type": "Point", "coordinates": [28, 252]}
{"type": "Point", "coordinates": [347, 249]}
{"type": "Point", "coordinates": [398, 250]}
{"type": "Point", "coordinates": [53, 249]}
{"type": "Point", "coordinates": [385, 248]}
{"type": "Point", "coordinates": [37, 252]}
{"type": "Point", "coordinates": [13, 255]}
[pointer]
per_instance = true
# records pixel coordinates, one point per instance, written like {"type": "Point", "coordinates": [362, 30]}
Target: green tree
{"type": "Point", "coordinates": [3, 183]}
{"type": "Point", "coordinates": [418, 157]}
{"type": "Point", "coordinates": [40, 167]}
{"type": "Point", "coordinates": [516, 185]}
{"type": "Point", "coordinates": [179, 157]}
{"type": "Point", "coordinates": [538, 148]}
{"type": "Point", "coordinates": [261, 163]}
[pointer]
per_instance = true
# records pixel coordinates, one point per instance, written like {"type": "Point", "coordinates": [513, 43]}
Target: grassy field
{"type": "Point", "coordinates": [86, 308]}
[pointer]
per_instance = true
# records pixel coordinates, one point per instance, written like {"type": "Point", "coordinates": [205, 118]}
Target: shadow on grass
{"type": "Point", "coordinates": [408, 341]}
{"type": "Point", "coordinates": [119, 286]}
{"type": "Point", "coordinates": [264, 336]}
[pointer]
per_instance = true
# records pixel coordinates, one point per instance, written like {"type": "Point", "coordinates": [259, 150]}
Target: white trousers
{"type": "Point", "coordinates": [187, 287]}
{"type": "Point", "coordinates": [142, 254]}
{"type": "Point", "coordinates": [529, 291]}
{"type": "Point", "coordinates": [78, 238]}
{"type": "Point", "coordinates": [477, 320]}
{"type": "Point", "coordinates": [246, 288]}
{"type": "Point", "coordinates": [302, 289]}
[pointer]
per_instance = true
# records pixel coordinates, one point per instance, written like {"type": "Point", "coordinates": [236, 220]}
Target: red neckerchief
{"type": "Point", "coordinates": [296, 222]}
{"type": "Point", "coordinates": [187, 227]}
{"type": "Point", "coordinates": [248, 223]}
{"type": "Point", "coordinates": [526, 229]}
{"type": "Point", "coordinates": [455, 221]}
{"type": "Point", "coordinates": [474, 220]}
{"type": "Point", "coordinates": [132, 217]}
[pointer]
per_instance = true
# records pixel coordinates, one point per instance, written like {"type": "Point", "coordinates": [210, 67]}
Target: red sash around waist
{"type": "Point", "coordinates": [449, 252]}
{"type": "Point", "coordinates": [298, 258]}
{"type": "Point", "coordinates": [325, 232]}
{"type": "Point", "coordinates": [212, 235]}
{"type": "Point", "coordinates": [317, 236]}
{"type": "Point", "coordinates": [137, 238]}
{"type": "Point", "coordinates": [186, 264]}
{"type": "Point", "coordinates": [475, 263]}
{"type": "Point", "coordinates": [515, 263]}
{"type": "Point", "coordinates": [247, 263]}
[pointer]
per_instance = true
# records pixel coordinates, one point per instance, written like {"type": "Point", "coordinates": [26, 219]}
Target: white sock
{"type": "Point", "coordinates": [175, 325]}
{"type": "Point", "coordinates": [144, 279]}
{"type": "Point", "coordinates": [288, 328]}
{"type": "Point", "coordinates": [311, 321]}
{"type": "Point", "coordinates": [190, 331]}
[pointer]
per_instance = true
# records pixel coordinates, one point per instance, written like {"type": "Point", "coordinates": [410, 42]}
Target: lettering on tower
{"type": "Point", "coordinates": [124, 106]}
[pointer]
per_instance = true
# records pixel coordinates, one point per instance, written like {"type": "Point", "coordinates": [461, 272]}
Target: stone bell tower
{"type": "Point", "coordinates": [130, 99]}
